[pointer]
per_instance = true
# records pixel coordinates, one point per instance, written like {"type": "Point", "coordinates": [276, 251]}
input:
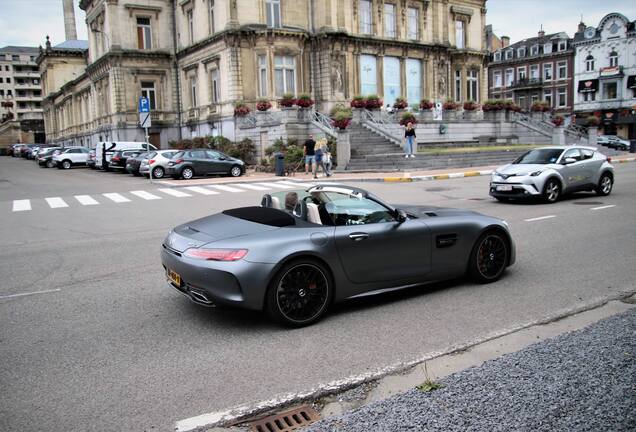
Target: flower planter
{"type": "Point", "coordinates": [426, 115]}
{"type": "Point", "coordinates": [449, 115]}
{"type": "Point", "coordinates": [471, 115]}
{"type": "Point", "coordinates": [289, 114]}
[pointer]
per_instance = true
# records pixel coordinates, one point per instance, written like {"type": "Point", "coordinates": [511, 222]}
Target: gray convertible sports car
{"type": "Point", "coordinates": [300, 251]}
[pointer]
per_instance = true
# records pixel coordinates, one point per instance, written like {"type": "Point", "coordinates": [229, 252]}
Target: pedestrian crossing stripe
{"type": "Point", "coordinates": [22, 205]}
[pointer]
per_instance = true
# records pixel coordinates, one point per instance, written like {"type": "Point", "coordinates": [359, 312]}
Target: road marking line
{"type": "Point", "coordinates": [441, 177]}
{"type": "Point", "coordinates": [252, 186]}
{"type": "Point", "coordinates": [116, 197]}
{"type": "Point", "coordinates": [56, 202]}
{"type": "Point", "coordinates": [145, 195]}
{"type": "Point", "coordinates": [227, 188]}
{"type": "Point", "coordinates": [276, 185]}
{"type": "Point", "coordinates": [86, 200]}
{"type": "Point", "coordinates": [540, 218]}
{"type": "Point", "coordinates": [603, 207]}
{"type": "Point", "coordinates": [201, 190]}
{"type": "Point", "coordinates": [21, 205]}
{"type": "Point", "coordinates": [471, 174]}
{"type": "Point", "coordinates": [174, 192]}
{"type": "Point", "coordinates": [30, 293]}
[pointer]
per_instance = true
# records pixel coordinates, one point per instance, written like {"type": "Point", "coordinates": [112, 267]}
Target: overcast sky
{"type": "Point", "coordinates": [27, 22]}
{"type": "Point", "coordinates": [521, 19]}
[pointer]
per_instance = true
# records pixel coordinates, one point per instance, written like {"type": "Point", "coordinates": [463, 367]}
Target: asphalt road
{"type": "Point", "coordinates": [106, 345]}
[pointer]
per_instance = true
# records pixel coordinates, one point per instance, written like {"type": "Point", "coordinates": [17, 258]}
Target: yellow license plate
{"type": "Point", "coordinates": [173, 277]}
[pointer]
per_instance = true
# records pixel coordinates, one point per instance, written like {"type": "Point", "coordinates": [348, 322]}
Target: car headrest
{"type": "Point", "coordinates": [300, 210]}
{"type": "Point", "coordinates": [266, 201]}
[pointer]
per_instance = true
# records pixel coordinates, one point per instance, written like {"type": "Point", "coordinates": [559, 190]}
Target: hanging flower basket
{"type": "Point", "coordinates": [263, 105]}
{"type": "Point", "coordinates": [304, 101]}
{"type": "Point", "coordinates": [358, 102]}
{"type": "Point", "coordinates": [287, 101]}
{"type": "Point", "coordinates": [557, 121]}
{"type": "Point", "coordinates": [407, 118]}
{"type": "Point", "coordinates": [241, 110]}
{"type": "Point", "coordinates": [341, 116]}
{"type": "Point", "coordinates": [373, 102]}
{"type": "Point", "coordinates": [400, 103]}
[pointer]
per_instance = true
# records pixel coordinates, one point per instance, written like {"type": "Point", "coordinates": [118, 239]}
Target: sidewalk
{"type": "Point", "coordinates": [341, 176]}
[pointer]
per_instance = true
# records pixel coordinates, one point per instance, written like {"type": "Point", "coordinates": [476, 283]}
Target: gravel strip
{"type": "Point", "coordinates": [579, 381]}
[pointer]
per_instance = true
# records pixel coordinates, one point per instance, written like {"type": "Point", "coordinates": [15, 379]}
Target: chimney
{"type": "Point", "coordinates": [581, 27]}
{"type": "Point", "coordinates": [69, 20]}
{"type": "Point", "coordinates": [541, 33]}
{"type": "Point", "coordinates": [505, 41]}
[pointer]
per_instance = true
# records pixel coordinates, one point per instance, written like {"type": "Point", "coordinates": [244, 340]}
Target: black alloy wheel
{"type": "Point", "coordinates": [300, 293]}
{"type": "Point", "coordinates": [187, 173]}
{"type": "Point", "coordinates": [236, 171]}
{"type": "Point", "coordinates": [489, 257]}
{"type": "Point", "coordinates": [551, 191]}
{"type": "Point", "coordinates": [158, 172]}
{"type": "Point", "coordinates": [605, 185]}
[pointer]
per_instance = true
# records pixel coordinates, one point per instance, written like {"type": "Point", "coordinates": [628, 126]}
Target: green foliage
{"type": "Point", "coordinates": [428, 386]}
{"type": "Point", "coordinates": [244, 150]}
{"type": "Point", "coordinates": [292, 151]}
{"type": "Point", "coordinates": [340, 111]}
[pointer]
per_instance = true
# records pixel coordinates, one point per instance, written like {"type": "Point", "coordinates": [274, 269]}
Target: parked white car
{"type": "Point", "coordinates": [105, 150]}
{"type": "Point", "coordinates": [158, 160]}
{"type": "Point", "coordinates": [71, 156]}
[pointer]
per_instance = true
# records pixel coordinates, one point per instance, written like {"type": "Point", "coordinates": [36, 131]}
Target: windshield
{"type": "Point", "coordinates": [539, 156]}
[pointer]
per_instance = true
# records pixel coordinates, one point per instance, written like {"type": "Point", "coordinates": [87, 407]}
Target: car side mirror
{"type": "Point", "coordinates": [400, 215]}
{"type": "Point", "coordinates": [222, 158]}
{"type": "Point", "coordinates": [568, 161]}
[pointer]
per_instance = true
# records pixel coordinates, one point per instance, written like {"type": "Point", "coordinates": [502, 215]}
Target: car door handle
{"type": "Point", "coordinates": [358, 236]}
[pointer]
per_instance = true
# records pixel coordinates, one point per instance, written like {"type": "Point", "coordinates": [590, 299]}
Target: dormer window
{"type": "Point", "coordinates": [509, 55]}
{"type": "Point", "coordinates": [589, 63]}
{"type": "Point", "coordinates": [563, 45]}
{"type": "Point", "coordinates": [498, 56]}
{"type": "Point", "coordinates": [613, 59]}
{"type": "Point", "coordinates": [547, 48]}
{"type": "Point", "coordinates": [534, 50]}
{"type": "Point", "coordinates": [521, 52]}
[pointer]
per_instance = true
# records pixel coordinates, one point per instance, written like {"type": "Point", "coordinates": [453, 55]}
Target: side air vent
{"type": "Point", "coordinates": [430, 213]}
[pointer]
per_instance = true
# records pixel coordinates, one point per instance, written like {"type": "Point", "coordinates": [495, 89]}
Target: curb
{"type": "Point", "coordinates": [433, 177]}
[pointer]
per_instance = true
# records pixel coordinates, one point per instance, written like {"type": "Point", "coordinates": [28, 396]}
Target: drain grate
{"type": "Point", "coordinates": [286, 421]}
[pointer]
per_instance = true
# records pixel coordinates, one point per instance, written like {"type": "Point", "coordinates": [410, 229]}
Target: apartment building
{"type": "Point", "coordinates": [533, 70]}
{"type": "Point", "coordinates": [605, 74]}
{"type": "Point", "coordinates": [194, 59]}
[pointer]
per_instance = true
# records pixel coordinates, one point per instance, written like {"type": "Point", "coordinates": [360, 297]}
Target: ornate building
{"type": "Point", "coordinates": [194, 59]}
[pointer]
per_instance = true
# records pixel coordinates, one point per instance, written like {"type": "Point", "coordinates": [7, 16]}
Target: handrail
{"type": "Point", "coordinates": [382, 123]}
{"type": "Point", "coordinates": [324, 123]}
{"type": "Point", "coordinates": [539, 126]}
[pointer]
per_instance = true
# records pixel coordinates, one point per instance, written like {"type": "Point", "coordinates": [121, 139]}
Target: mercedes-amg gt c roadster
{"type": "Point", "coordinates": [300, 251]}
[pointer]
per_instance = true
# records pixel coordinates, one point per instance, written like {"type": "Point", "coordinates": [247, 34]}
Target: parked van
{"type": "Point", "coordinates": [105, 150]}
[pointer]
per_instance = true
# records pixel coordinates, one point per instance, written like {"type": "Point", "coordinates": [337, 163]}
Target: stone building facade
{"type": "Point", "coordinates": [605, 74]}
{"type": "Point", "coordinates": [195, 59]}
{"type": "Point", "coordinates": [538, 69]}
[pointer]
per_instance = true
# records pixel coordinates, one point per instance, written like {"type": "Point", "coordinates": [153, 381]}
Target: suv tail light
{"type": "Point", "coordinates": [178, 161]}
{"type": "Point", "coordinates": [115, 158]}
{"type": "Point", "coordinates": [151, 161]}
{"type": "Point", "coordinates": [216, 254]}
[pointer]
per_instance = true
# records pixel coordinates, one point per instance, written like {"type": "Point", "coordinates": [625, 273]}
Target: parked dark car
{"type": "Point", "coordinates": [201, 162]}
{"type": "Point", "coordinates": [119, 158]}
{"type": "Point", "coordinates": [45, 157]}
{"type": "Point", "coordinates": [133, 163]}
{"type": "Point", "coordinates": [17, 148]}
{"type": "Point", "coordinates": [25, 151]}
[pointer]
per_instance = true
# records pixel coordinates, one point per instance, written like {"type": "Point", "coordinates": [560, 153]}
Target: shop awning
{"type": "Point", "coordinates": [631, 82]}
{"type": "Point", "coordinates": [588, 86]}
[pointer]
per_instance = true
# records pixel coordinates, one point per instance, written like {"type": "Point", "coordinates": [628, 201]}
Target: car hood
{"type": "Point", "coordinates": [211, 229]}
{"type": "Point", "coordinates": [518, 169]}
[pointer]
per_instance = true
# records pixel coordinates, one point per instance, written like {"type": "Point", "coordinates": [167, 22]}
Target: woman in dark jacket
{"type": "Point", "coordinates": [409, 134]}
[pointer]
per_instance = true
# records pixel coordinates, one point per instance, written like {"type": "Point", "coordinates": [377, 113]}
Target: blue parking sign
{"type": "Point", "coordinates": [144, 105]}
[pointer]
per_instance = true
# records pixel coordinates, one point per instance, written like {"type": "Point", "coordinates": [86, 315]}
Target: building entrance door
{"type": "Point", "coordinates": [155, 139]}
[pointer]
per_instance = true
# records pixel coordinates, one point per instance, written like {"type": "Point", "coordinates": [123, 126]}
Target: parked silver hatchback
{"type": "Point", "coordinates": [549, 172]}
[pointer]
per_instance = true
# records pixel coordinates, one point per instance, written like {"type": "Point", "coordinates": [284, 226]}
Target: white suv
{"type": "Point", "coordinates": [71, 156]}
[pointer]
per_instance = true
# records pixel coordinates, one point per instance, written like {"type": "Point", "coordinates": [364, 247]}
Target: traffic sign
{"type": "Point", "coordinates": [144, 120]}
{"type": "Point", "coordinates": [144, 105]}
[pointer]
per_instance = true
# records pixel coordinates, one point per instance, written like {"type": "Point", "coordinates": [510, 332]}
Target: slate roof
{"type": "Point", "coordinates": [11, 49]}
{"type": "Point", "coordinates": [72, 45]}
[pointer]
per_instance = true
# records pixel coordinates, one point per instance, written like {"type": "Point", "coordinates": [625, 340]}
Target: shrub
{"type": "Point", "coordinates": [400, 103]}
{"type": "Point", "coordinates": [287, 100]}
{"type": "Point", "coordinates": [304, 101]}
{"type": "Point", "coordinates": [358, 101]}
{"type": "Point", "coordinates": [450, 105]}
{"type": "Point", "coordinates": [426, 104]}
{"type": "Point", "coordinates": [263, 105]}
{"type": "Point", "coordinates": [592, 121]}
{"type": "Point", "coordinates": [374, 102]}
{"type": "Point", "coordinates": [557, 121]}
{"type": "Point", "coordinates": [407, 118]}
{"type": "Point", "coordinates": [470, 106]}
{"type": "Point", "coordinates": [241, 110]}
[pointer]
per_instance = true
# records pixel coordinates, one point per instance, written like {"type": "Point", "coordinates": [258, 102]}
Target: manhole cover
{"type": "Point", "coordinates": [286, 421]}
{"type": "Point", "coordinates": [587, 202]}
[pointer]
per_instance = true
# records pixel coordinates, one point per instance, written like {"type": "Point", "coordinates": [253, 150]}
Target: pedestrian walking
{"type": "Point", "coordinates": [409, 134]}
{"type": "Point", "coordinates": [310, 154]}
{"type": "Point", "coordinates": [322, 155]}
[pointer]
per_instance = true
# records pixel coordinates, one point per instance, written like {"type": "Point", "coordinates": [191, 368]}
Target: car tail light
{"type": "Point", "coordinates": [178, 161]}
{"type": "Point", "coordinates": [115, 158]}
{"type": "Point", "coordinates": [151, 161]}
{"type": "Point", "coordinates": [216, 254]}
{"type": "Point", "coordinates": [609, 159]}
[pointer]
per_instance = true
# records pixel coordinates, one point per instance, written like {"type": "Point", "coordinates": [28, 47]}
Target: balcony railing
{"type": "Point", "coordinates": [527, 83]}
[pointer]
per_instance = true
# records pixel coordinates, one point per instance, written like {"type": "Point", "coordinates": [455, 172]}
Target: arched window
{"type": "Point", "coordinates": [613, 58]}
{"type": "Point", "coordinates": [589, 63]}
